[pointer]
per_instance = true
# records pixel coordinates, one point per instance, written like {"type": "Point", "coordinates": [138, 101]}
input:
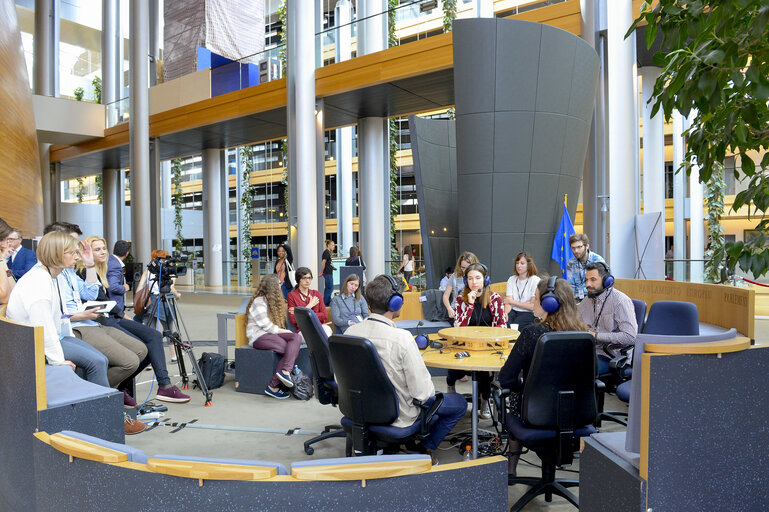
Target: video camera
{"type": "Point", "coordinates": [167, 268]}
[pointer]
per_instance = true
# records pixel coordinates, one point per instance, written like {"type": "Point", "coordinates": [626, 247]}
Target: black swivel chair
{"type": "Point", "coordinates": [322, 370]}
{"type": "Point", "coordinates": [559, 407]}
{"type": "Point", "coordinates": [368, 400]}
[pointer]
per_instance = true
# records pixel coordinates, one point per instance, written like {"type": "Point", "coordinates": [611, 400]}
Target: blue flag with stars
{"type": "Point", "coordinates": [561, 248]}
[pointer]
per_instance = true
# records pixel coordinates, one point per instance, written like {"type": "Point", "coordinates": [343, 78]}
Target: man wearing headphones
{"type": "Point", "coordinates": [403, 363]}
{"type": "Point", "coordinates": [608, 313]}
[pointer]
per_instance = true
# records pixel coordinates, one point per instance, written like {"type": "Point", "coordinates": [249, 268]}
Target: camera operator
{"type": "Point", "coordinates": [159, 258]}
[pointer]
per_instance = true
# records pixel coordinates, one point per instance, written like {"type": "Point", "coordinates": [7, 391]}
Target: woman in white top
{"type": "Point", "coordinates": [456, 282]}
{"type": "Point", "coordinates": [266, 330]}
{"type": "Point", "coordinates": [37, 300]}
{"type": "Point", "coordinates": [407, 265]}
{"type": "Point", "coordinates": [519, 299]}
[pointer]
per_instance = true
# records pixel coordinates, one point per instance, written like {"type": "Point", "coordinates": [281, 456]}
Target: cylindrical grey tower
{"type": "Point", "coordinates": [524, 96]}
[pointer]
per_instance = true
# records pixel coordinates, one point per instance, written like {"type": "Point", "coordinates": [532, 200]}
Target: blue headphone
{"type": "Point", "coordinates": [608, 279]}
{"type": "Point", "coordinates": [550, 303]}
{"type": "Point", "coordinates": [486, 277]}
{"type": "Point", "coordinates": [395, 302]}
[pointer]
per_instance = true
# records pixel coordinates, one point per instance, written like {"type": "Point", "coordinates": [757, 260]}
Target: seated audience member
{"type": "Point", "coordinates": [123, 351]}
{"type": "Point", "coordinates": [446, 277]}
{"type": "Point", "coordinates": [457, 282]}
{"type": "Point", "coordinates": [283, 266]}
{"type": "Point", "coordinates": [355, 259]}
{"type": "Point", "coordinates": [304, 297]}
{"type": "Point", "coordinates": [266, 330]}
{"type": "Point", "coordinates": [7, 281]}
{"type": "Point", "coordinates": [116, 285]}
{"type": "Point", "coordinates": [565, 318]}
{"type": "Point", "coordinates": [36, 300]}
{"type": "Point", "coordinates": [21, 259]}
{"type": "Point", "coordinates": [404, 365]}
{"type": "Point", "coordinates": [609, 314]}
{"type": "Point", "coordinates": [576, 266]}
{"type": "Point", "coordinates": [147, 335]}
{"type": "Point", "coordinates": [349, 307]}
{"type": "Point", "coordinates": [478, 306]}
{"type": "Point", "coordinates": [519, 299]}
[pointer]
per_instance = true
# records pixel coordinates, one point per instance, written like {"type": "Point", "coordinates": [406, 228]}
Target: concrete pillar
{"type": "Point", "coordinates": [320, 175]}
{"type": "Point", "coordinates": [212, 221]}
{"type": "Point", "coordinates": [44, 82]}
{"type": "Point", "coordinates": [166, 205]}
{"type": "Point", "coordinates": [110, 63]}
{"type": "Point", "coordinates": [679, 193]}
{"type": "Point", "coordinates": [696, 220]}
{"type": "Point", "coordinates": [224, 215]}
{"type": "Point", "coordinates": [302, 137]}
{"type": "Point", "coordinates": [621, 120]}
{"type": "Point", "coordinates": [139, 133]}
{"type": "Point", "coordinates": [373, 154]}
{"type": "Point", "coordinates": [590, 176]}
{"type": "Point", "coordinates": [653, 147]}
{"type": "Point", "coordinates": [290, 156]}
{"type": "Point", "coordinates": [110, 205]}
{"type": "Point", "coordinates": [156, 40]}
{"type": "Point", "coordinates": [484, 8]}
{"type": "Point", "coordinates": [156, 192]}
{"type": "Point", "coordinates": [344, 178]}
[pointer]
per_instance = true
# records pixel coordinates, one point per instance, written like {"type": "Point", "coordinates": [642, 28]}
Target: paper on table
{"type": "Point", "coordinates": [104, 306]}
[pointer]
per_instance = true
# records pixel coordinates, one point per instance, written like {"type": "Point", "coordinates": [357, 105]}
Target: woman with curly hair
{"type": "Point", "coordinates": [266, 330]}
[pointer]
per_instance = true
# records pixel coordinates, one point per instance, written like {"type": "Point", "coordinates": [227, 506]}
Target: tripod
{"type": "Point", "coordinates": [172, 315]}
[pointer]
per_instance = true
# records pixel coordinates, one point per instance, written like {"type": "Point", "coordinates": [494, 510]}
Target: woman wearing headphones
{"type": "Point", "coordinates": [478, 306]}
{"type": "Point", "coordinates": [556, 310]}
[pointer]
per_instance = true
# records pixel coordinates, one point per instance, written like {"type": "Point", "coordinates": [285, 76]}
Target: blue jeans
{"type": "Point", "coordinates": [603, 365]}
{"type": "Point", "coordinates": [154, 341]}
{"type": "Point", "coordinates": [87, 358]}
{"type": "Point", "coordinates": [329, 288]}
{"type": "Point", "coordinates": [452, 409]}
{"type": "Point", "coordinates": [285, 289]}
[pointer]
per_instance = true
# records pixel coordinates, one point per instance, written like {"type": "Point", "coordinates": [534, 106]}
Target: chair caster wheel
{"type": "Point", "coordinates": [309, 450]}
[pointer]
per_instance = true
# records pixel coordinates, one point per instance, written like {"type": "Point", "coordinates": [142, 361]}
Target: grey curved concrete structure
{"type": "Point", "coordinates": [433, 147]}
{"type": "Point", "coordinates": [524, 96]}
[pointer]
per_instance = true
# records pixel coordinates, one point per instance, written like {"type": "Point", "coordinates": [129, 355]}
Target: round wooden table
{"type": "Point", "coordinates": [490, 359]}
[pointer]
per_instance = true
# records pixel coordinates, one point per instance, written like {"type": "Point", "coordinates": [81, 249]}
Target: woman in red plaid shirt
{"type": "Point", "coordinates": [478, 306]}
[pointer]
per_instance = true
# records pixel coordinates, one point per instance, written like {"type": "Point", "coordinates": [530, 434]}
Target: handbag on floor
{"type": "Point", "coordinates": [302, 389]}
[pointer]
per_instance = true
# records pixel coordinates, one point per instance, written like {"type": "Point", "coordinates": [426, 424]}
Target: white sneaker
{"type": "Point", "coordinates": [484, 410]}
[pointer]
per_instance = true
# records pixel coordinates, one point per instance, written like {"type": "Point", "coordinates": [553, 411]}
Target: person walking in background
{"type": "Point", "coordinates": [575, 267]}
{"type": "Point", "coordinates": [446, 277]}
{"type": "Point", "coordinates": [327, 271]}
{"type": "Point", "coordinates": [21, 259]}
{"type": "Point", "coordinates": [407, 264]}
{"type": "Point", "coordinates": [284, 268]}
{"type": "Point", "coordinates": [519, 299]}
{"type": "Point", "coordinates": [355, 259]}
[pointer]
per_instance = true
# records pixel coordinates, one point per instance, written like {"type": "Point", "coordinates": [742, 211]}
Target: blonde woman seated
{"type": "Point", "coordinates": [349, 307]}
{"type": "Point", "coordinates": [266, 330]}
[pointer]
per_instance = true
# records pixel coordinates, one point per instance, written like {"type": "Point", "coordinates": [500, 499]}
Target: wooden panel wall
{"type": "Point", "coordinates": [717, 304]}
{"type": "Point", "coordinates": [21, 197]}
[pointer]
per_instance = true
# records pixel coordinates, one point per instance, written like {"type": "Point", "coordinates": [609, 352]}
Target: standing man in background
{"type": "Point", "coordinates": [117, 286]}
{"type": "Point", "coordinates": [327, 271]}
{"type": "Point", "coordinates": [575, 267]}
{"type": "Point", "coordinates": [21, 259]}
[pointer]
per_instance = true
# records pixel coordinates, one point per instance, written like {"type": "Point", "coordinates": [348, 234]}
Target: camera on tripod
{"type": "Point", "coordinates": [165, 269]}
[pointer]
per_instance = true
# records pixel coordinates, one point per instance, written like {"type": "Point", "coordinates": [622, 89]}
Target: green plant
{"type": "Point", "coordinates": [178, 200]}
{"type": "Point", "coordinates": [96, 82]}
{"type": "Point", "coordinates": [80, 194]}
{"type": "Point", "coordinates": [393, 136]}
{"type": "Point", "coordinates": [247, 192]}
{"type": "Point", "coordinates": [78, 92]}
{"type": "Point", "coordinates": [99, 189]}
{"type": "Point", "coordinates": [714, 200]}
{"type": "Point", "coordinates": [715, 62]}
{"type": "Point", "coordinates": [282, 51]}
{"type": "Point", "coordinates": [392, 40]}
{"type": "Point", "coordinates": [449, 14]}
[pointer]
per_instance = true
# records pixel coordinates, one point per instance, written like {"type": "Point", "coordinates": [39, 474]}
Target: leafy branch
{"type": "Point", "coordinates": [178, 201]}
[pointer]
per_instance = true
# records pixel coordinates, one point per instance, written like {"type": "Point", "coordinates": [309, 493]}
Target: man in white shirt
{"type": "Point", "coordinates": [404, 364]}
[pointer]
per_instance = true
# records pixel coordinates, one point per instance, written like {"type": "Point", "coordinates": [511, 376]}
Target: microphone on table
{"type": "Point", "coordinates": [420, 339]}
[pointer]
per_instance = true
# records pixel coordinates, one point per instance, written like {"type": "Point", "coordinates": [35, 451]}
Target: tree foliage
{"type": "Point", "coordinates": [247, 196]}
{"type": "Point", "coordinates": [449, 14]}
{"type": "Point", "coordinates": [177, 200]}
{"type": "Point", "coordinates": [714, 63]}
{"type": "Point", "coordinates": [714, 200]}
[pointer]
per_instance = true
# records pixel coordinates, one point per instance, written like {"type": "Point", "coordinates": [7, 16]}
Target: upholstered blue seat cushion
{"type": "Point", "coordinates": [358, 460]}
{"type": "Point", "coordinates": [623, 391]}
{"type": "Point", "coordinates": [385, 432]}
{"type": "Point", "coordinates": [134, 454]}
{"type": "Point", "coordinates": [241, 462]}
{"type": "Point", "coordinates": [526, 434]}
{"type": "Point", "coordinates": [63, 386]}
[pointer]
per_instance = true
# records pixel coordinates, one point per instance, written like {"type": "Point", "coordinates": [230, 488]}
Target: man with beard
{"type": "Point", "coordinates": [577, 266]}
{"type": "Point", "coordinates": [609, 314]}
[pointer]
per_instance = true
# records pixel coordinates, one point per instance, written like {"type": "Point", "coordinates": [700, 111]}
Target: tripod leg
{"type": "Point", "coordinates": [201, 381]}
{"type": "Point", "coordinates": [173, 337]}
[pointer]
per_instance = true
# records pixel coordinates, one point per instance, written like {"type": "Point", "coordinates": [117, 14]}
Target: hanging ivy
{"type": "Point", "coordinates": [449, 14]}
{"type": "Point", "coordinates": [247, 192]}
{"type": "Point", "coordinates": [392, 40]}
{"type": "Point", "coordinates": [99, 190]}
{"type": "Point", "coordinates": [80, 194]}
{"type": "Point", "coordinates": [714, 201]}
{"type": "Point", "coordinates": [178, 200]}
{"type": "Point", "coordinates": [282, 56]}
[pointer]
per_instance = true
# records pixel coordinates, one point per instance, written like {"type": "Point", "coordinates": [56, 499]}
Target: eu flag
{"type": "Point", "coordinates": [561, 248]}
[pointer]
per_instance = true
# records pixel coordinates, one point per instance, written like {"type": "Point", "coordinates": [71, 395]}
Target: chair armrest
{"type": "Point", "coordinates": [618, 364]}
{"type": "Point", "coordinates": [428, 412]}
{"type": "Point", "coordinates": [501, 392]}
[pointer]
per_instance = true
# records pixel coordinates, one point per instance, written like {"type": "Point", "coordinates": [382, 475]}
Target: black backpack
{"type": "Point", "coordinates": [302, 389]}
{"type": "Point", "coordinates": [212, 369]}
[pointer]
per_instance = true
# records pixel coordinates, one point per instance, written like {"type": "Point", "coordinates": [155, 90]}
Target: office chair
{"type": "Point", "coordinates": [558, 407]}
{"type": "Point", "coordinates": [368, 400]}
{"type": "Point", "coordinates": [672, 318]}
{"type": "Point", "coordinates": [322, 370]}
